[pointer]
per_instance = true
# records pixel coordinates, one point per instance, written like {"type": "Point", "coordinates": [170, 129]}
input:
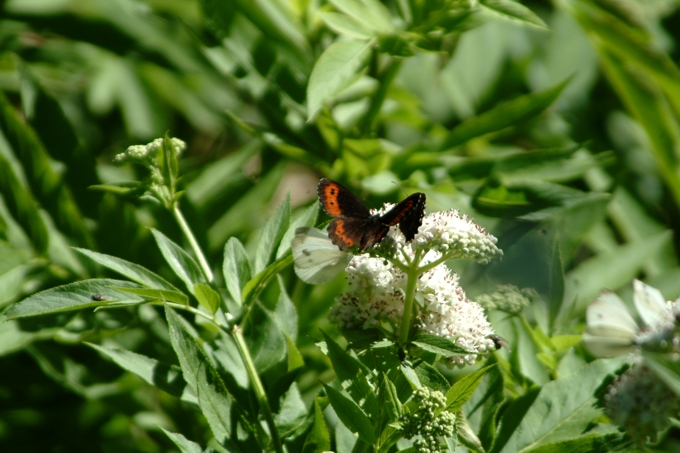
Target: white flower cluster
{"type": "Point", "coordinates": [376, 293]}
{"type": "Point", "coordinates": [457, 237]}
{"type": "Point", "coordinates": [146, 154]}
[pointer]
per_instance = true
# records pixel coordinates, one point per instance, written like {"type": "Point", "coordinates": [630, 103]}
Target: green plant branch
{"type": "Point", "coordinates": [412, 280]}
{"type": "Point", "coordinates": [258, 388]}
{"type": "Point", "coordinates": [236, 334]}
{"type": "Point", "coordinates": [205, 268]}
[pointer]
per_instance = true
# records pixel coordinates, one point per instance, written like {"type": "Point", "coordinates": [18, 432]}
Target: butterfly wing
{"type": "Point", "coordinates": [650, 304]}
{"type": "Point", "coordinates": [611, 328]}
{"type": "Point", "coordinates": [408, 214]}
{"type": "Point", "coordinates": [338, 201]}
{"type": "Point", "coordinates": [346, 232]}
{"type": "Point", "coordinates": [317, 260]}
{"type": "Point", "coordinates": [410, 224]}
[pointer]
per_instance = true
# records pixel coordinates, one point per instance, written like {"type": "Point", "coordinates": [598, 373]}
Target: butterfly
{"type": "Point", "coordinates": [610, 328]}
{"type": "Point", "coordinates": [317, 260]}
{"type": "Point", "coordinates": [354, 224]}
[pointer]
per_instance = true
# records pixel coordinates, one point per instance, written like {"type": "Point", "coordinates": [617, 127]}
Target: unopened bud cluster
{"type": "Point", "coordinates": [146, 154]}
{"type": "Point", "coordinates": [507, 298]}
{"type": "Point", "coordinates": [641, 403]}
{"type": "Point", "coordinates": [430, 423]}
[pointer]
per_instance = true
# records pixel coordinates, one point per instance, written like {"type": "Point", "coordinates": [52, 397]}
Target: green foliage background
{"type": "Point", "coordinates": [554, 124]}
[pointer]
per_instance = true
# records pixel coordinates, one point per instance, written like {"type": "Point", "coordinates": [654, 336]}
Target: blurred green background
{"type": "Point", "coordinates": [559, 133]}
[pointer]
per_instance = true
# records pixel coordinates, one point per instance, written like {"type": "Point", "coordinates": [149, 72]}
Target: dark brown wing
{"type": "Point", "coordinates": [338, 201]}
{"type": "Point", "coordinates": [412, 221]}
{"type": "Point", "coordinates": [408, 214]}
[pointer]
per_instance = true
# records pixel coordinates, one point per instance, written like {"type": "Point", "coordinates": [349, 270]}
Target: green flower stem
{"type": "Point", "coordinates": [236, 334]}
{"type": "Point", "coordinates": [412, 280]}
{"type": "Point", "coordinates": [207, 273]}
{"type": "Point", "coordinates": [258, 388]}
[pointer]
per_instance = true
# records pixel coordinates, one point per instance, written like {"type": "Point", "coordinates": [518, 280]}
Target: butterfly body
{"type": "Point", "coordinates": [354, 224]}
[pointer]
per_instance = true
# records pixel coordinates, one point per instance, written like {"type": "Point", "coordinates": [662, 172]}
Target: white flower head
{"type": "Point", "coordinates": [376, 294]}
{"type": "Point", "coordinates": [457, 236]}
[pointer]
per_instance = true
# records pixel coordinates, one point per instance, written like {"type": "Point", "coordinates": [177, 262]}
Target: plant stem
{"type": "Point", "coordinates": [258, 388]}
{"type": "Point", "coordinates": [412, 279]}
{"type": "Point", "coordinates": [207, 273]}
{"type": "Point", "coordinates": [378, 99]}
{"type": "Point", "coordinates": [236, 333]}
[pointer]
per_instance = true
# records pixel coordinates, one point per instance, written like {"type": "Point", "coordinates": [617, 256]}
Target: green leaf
{"type": "Point", "coordinates": [256, 284]}
{"type": "Point", "coordinates": [388, 399]}
{"type": "Point", "coordinates": [556, 284]}
{"type": "Point", "coordinates": [295, 359]}
{"type": "Point", "coordinates": [285, 314]}
{"type": "Point", "coordinates": [319, 439]}
{"type": "Point", "coordinates": [218, 179]}
{"type": "Point", "coordinates": [74, 296]}
{"type": "Point", "coordinates": [200, 374]}
{"type": "Point", "coordinates": [184, 265]}
{"type": "Point", "coordinates": [609, 270]}
{"type": "Point", "coordinates": [351, 415]}
{"type": "Point", "coordinates": [23, 207]}
{"type": "Point", "coordinates": [634, 46]}
{"type": "Point", "coordinates": [412, 377]}
{"type": "Point", "coordinates": [265, 340]}
{"type": "Point", "coordinates": [563, 410]}
{"type": "Point", "coordinates": [162, 375]}
{"type": "Point", "coordinates": [207, 297]}
{"type": "Point", "coordinates": [651, 109]}
{"type": "Point", "coordinates": [338, 67]}
{"type": "Point", "coordinates": [345, 25]}
{"type": "Point", "coordinates": [439, 345]}
{"type": "Point", "coordinates": [133, 271]}
{"type": "Point", "coordinates": [248, 211]}
{"type": "Point", "coordinates": [463, 389]}
{"type": "Point", "coordinates": [44, 180]}
{"type": "Point", "coordinates": [15, 266]}
{"type": "Point", "coordinates": [12, 338]}
{"type": "Point", "coordinates": [292, 413]}
{"type": "Point", "coordinates": [352, 375]}
{"type": "Point", "coordinates": [184, 444]}
{"type": "Point", "coordinates": [590, 443]}
{"type": "Point", "coordinates": [667, 369]}
{"type": "Point", "coordinates": [271, 235]}
{"type": "Point", "coordinates": [483, 407]}
{"type": "Point", "coordinates": [236, 268]}
{"type": "Point", "coordinates": [514, 11]}
{"type": "Point", "coordinates": [429, 376]}
{"type": "Point", "coordinates": [307, 218]}
{"type": "Point", "coordinates": [371, 14]}
{"type": "Point", "coordinates": [505, 115]}
{"type": "Point", "coordinates": [157, 294]}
